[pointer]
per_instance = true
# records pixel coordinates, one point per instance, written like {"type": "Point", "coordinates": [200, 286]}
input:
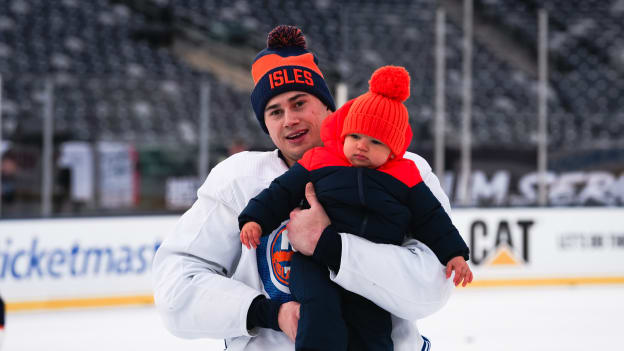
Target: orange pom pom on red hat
{"type": "Point", "coordinates": [392, 82]}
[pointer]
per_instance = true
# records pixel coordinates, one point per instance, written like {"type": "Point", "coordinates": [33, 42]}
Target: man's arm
{"type": "Point", "coordinates": [407, 281]}
{"type": "Point", "coordinates": [192, 289]}
{"type": "Point", "coordinates": [192, 270]}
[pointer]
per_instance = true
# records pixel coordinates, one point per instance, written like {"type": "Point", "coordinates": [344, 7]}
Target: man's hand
{"type": "Point", "coordinates": [288, 318]}
{"type": "Point", "coordinates": [306, 226]}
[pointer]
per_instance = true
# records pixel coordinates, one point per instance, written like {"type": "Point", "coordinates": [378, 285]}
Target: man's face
{"type": "Point", "coordinates": [294, 122]}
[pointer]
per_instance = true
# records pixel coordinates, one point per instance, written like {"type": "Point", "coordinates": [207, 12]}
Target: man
{"type": "Point", "coordinates": [207, 285]}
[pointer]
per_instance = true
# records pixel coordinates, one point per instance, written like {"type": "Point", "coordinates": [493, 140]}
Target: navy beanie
{"type": "Point", "coordinates": [286, 65]}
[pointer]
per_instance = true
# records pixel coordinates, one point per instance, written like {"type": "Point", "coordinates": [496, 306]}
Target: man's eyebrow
{"type": "Point", "coordinates": [271, 107]}
{"type": "Point", "coordinates": [291, 99]}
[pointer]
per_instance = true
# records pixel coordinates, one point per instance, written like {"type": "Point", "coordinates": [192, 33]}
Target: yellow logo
{"type": "Point", "coordinates": [503, 257]}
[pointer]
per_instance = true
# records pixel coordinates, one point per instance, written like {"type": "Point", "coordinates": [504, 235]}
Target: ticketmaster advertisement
{"type": "Point", "coordinates": [78, 259]}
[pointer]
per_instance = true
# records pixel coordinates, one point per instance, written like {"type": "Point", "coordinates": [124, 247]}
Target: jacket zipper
{"type": "Point", "coordinates": [360, 184]}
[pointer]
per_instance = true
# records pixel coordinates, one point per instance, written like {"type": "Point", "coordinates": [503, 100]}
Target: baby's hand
{"type": "Point", "coordinates": [250, 234]}
{"type": "Point", "coordinates": [462, 270]}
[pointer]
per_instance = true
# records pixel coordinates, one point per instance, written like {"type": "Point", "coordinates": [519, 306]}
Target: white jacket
{"type": "Point", "coordinates": [205, 279]}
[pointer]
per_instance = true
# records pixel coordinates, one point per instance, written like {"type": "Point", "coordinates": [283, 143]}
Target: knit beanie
{"type": "Point", "coordinates": [380, 113]}
{"type": "Point", "coordinates": [286, 65]}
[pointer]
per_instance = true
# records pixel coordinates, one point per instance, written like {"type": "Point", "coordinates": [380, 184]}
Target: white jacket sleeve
{"type": "Point", "coordinates": [192, 289]}
{"type": "Point", "coordinates": [407, 281]}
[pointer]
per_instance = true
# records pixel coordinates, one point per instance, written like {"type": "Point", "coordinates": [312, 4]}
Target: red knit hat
{"type": "Point", "coordinates": [380, 112]}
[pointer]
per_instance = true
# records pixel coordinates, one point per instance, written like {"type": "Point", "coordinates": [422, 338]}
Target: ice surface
{"type": "Point", "coordinates": [556, 318]}
{"type": "Point", "coordinates": [536, 318]}
{"type": "Point", "coordinates": [115, 329]}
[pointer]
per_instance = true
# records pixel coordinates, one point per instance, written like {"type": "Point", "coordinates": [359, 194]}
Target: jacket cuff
{"type": "Point", "coordinates": [263, 313]}
{"type": "Point", "coordinates": [463, 253]}
{"type": "Point", "coordinates": [328, 249]}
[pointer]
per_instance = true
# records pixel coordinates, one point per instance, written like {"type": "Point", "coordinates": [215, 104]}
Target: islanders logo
{"type": "Point", "coordinates": [273, 255]}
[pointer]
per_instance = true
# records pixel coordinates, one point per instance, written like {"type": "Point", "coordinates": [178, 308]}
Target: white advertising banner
{"type": "Point", "coordinates": [78, 157]}
{"type": "Point", "coordinates": [572, 244]}
{"type": "Point", "coordinates": [105, 261]}
{"type": "Point", "coordinates": [79, 258]}
{"type": "Point", "coordinates": [117, 175]}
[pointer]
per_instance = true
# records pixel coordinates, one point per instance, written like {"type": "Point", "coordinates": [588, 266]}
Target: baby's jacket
{"type": "Point", "coordinates": [383, 205]}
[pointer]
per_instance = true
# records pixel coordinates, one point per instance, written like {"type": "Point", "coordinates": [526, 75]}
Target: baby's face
{"type": "Point", "coordinates": [364, 151]}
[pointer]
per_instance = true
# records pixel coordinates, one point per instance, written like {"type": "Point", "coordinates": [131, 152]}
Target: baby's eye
{"type": "Point", "coordinates": [377, 142]}
{"type": "Point", "coordinates": [354, 136]}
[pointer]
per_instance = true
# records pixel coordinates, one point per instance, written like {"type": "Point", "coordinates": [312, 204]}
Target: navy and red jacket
{"type": "Point", "coordinates": [383, 205]}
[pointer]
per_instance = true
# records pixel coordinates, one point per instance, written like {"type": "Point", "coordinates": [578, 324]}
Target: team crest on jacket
{"type": "Point", "coordinates": [274, 254]}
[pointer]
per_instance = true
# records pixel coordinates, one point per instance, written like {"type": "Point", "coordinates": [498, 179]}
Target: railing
{"type": "Point", "coordinates": [512, 107]}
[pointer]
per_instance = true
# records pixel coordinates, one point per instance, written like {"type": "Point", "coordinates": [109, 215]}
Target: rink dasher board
{"type": "Point", "coordinates": [551, 246]}
{"type": "Point", "coordinates": [86, 262]}
{"type": "Point", "coordinates": [57, 263]}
